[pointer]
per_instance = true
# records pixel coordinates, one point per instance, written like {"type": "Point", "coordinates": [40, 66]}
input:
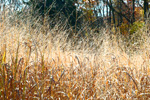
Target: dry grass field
{"type": "Point", "coordinates": [34, 66]}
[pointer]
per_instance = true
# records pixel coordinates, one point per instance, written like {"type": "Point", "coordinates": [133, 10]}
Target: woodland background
{"type": "Point", "coordinates": [124, 15]}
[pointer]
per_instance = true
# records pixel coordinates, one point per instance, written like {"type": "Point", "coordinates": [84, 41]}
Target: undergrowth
{"type": "Point", "coordinates": [48, 66]}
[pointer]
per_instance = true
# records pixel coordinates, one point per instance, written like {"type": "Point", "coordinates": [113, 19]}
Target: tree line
{"type": "Point", "coordinates": [96, 13]}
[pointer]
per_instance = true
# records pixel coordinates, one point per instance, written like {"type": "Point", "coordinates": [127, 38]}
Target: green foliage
{"type": "Point", "coordinates": [136, 26]}
{"type": "Point", "coordinates": [127, 29]}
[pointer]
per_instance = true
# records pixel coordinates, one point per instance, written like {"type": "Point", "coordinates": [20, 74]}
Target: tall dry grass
{"type": "Point", "coordinates": [38, 66]}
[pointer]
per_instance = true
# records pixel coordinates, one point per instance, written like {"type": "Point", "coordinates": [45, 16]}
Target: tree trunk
{"type": "Point", "coordinates": [117, 12]}
{"type": "Point", "coordinates": [133, 14]}
{"type": "Point", "coordinates": [110, 12]}
{"type": "Point", "coordinates": [146, 8]}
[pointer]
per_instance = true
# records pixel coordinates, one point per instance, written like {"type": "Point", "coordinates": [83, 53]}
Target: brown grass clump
{"type": "Point", "coordinates": [38, 66]}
